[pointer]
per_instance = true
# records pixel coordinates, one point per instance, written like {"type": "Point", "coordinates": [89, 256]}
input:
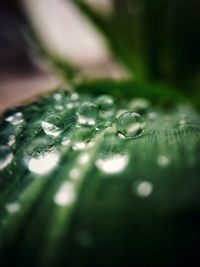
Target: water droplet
{"type": "Point", "coordinates": [13, 207]}
{"type": "Point", "coordinates": [6, 156]}
{"type": "Point", "coordinates": [40, 158]}
{"type": "Point", "coordinates": [66, 194]}
{"type": "Point", "coordinates": [106, 106]}
{"type": "Point", "coordinates": [15, 118]}
{"type": "Point", "coordinates": [87, 114]}
{"type": "Point", "coordinates": [130, 124]}
{"type": "Point", "coordinates": [79, 146]}
{"type": "Point", "coordinates": [74, 96]}
{"type": "Point", "coordinates": [44, 162]}
{"type": "Point", "coordinates": [113, 163]}
{"type": "Point", "coordinates": [74, 173]}
{"type": "Point", "coordinates": [65, 141]}
{"type": "Point", "coordinates": [11, 140]}
{"type": "Point", "coordinates": [144, 189]}
{"type": "Point", "coordinates": [84, 158]}
{"type": "Point", "coordinates": [52, 125]}
{"type": "Point", "coordinates": [163, 160]}
{"type": "Point", "coordinates": [139, 105]}
{"type": "Point", "coordinates": [58, 97]}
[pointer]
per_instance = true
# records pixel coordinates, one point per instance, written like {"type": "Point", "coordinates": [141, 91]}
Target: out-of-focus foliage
{"type": "Point", "coordinates": [158, 40]}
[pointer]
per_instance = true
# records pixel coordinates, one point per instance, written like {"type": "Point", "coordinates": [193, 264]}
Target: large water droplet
{"type": "Point", "coordinates": [106, 106]}
{"type": "Point", "coordinates": [113, 163]}
{"type": "Point", "coordinates": [40, 158]}
{"type": "Point", "coordinates": [66, 194]}
{"type": "Point", "coordinates": [6, 156]}
{"type": "Point", "coordinates": [52, 125]}
{"type": "Point", "coordinates": [130, 124]}
{"type": "Point", "coordinates": [87, 114]}
{"type": "Point", "coordinates": [44, 162]}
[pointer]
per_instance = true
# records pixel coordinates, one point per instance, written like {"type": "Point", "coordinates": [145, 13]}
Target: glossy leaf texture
{"type": "Point", "coordinates": [92, 180]}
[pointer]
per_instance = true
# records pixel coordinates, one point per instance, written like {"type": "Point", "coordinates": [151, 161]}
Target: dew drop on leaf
{"type": "Point", "coordinates": [163, 161]}
{"type": "Point", "coordinates": [52, 125]}
{"type": "Point", "coordinates": [130, 125]}
{"type": "Point", "coordinates": [39, 158]}
{"type": "Point", "coordinates": [87, 114]}
{"type": "Point", "coordinates": [113, 163]}
{"type": "Point", "coordinates": [106, 106]}
{"type": "Point", "coordinates": [66, 194]}
{"type": "Point", "coordinates": [6, 156]}
{"type": "Point", "coordinates": [143, 189]}
{"type": "Point", "coordinates": [15, 118]}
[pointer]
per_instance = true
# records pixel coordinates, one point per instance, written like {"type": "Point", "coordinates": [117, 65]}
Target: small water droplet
{"type": "Point", "coordinates": [84, 158]}
{"type": "Point", "coordinates": [105, 104]}
{"type": "Point", "coordinates": [6, 156]}
{"type": "Point", "coordinates": [163, 160]}
{"type": "Point", "coordinates": [11, 140]}
{"type": "Point", "coordinates": [52, 125]}
{"type": "Point", "coordinates": [15, 118]}
{"type": "Point", "coordinates": [113, 163]}
{"type": "Point", "coordinates": [65, 141]}
{"type": "Point", "coordinates": [143, 189]}
{"type": "Point", "coordinates": [87, 114]}
{"type": "Point", "coordinates": [58, 97]}
{"type": "Point", "coordinates": [130, 124]}
{"type": "Point", "coordinates": [79, 146]}
{"type": "Point", "coordinates": [13, 207]}
{"type": "Point", "coordinates": [74, 96]}
{"type": "Point", "coordinates": [139, 105]}
{"type": "Point", "coordinates": [66, 194]}
{"type": "Point", "coordinates": [74, 173]}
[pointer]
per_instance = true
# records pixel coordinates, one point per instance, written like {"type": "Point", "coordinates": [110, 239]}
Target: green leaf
{"type": "Point", "coordinates": [86, 182]}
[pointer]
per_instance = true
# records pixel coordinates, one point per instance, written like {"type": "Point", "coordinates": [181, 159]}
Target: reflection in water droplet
{"type": "Point", "coordinates": [15, 119]}
{"type": "Point", "coordinates": [66, 194]}
{"type": "Point", "coordinates": [163, 160]}
{"type": "Point", "coordinates": [43, 162]}
{"type": "Point", "coordinates": [144, 189]}
{"type": "Point", "coordinates": [106, 106]}
{"type": "Point", "coordinates": [113, 163]}
{"type": "Point", "coordinates": [87, 114]}
{"type": "Point", "coordinates": [139, 104]}
{"type": "Point", "coordinates": [13, 207]}
{"type": "Point", "coordinates": [52, 125]}
{"type": "Point", "coordinates": [130, 124]}
{"type": "Point", "coordinates": [6, 156]}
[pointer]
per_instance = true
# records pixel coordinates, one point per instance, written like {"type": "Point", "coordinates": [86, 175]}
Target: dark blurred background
{"type": "Point", "coordinates": [156, 40]}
